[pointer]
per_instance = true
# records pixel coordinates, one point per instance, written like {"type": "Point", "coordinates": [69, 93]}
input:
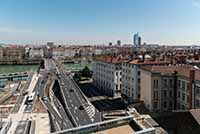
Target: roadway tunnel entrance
{"type": "Point", "coordinates": [42, 66]}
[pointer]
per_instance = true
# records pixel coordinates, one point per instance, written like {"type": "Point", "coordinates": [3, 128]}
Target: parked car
{"type": "Point", "coordinates": [44, 99]}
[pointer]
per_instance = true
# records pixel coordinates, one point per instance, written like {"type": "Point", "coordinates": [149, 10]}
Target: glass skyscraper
{"type": "Point", "coordinates": [136, 40]}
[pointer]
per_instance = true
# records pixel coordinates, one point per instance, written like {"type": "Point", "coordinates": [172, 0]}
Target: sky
{"type": "Point", "coordinates": [165, 22]}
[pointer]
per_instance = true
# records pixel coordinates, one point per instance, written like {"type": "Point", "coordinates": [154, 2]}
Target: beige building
{"type": "Point", "coordinates": [13, 53]}
{"type": "Point", "coordinates": [188, 89]}
{"type": "Point", "coordinates": [157, 88]}
{"type": "Point", "coordinates": [165, 88]}
{"type": "Point", "coordinates": [131, 79]}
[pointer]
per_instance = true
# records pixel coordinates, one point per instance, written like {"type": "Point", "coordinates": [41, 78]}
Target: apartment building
{"type": "Point", "coordinates": [157, 87]}
{"type": "Point", "coordinates": [36, 53]}
{"type": "Point", "coordinates": [58, 52]}
{"type": "Point", "coordinates": [70, 52]}
{"type": "Point", "coordinates": [196, 99]}
{"type": "Point", "coordinates": [98, 51]}
{"type": "Point", "coordinates": [13, 53]}
{"type": "Point", "coordinates": [188, 89]}
{"type": "Point", "coordinates": [131, 79]}
{"type": "Point", "coordinates": [130, 82]}
{"type": "Point", "coordinates": [107, 72]}
{"type": "Point", "coordinates": [166, 88]}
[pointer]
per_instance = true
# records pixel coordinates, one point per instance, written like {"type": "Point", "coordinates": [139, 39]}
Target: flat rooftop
{"type": "Point", "coordinates": [125, 129]}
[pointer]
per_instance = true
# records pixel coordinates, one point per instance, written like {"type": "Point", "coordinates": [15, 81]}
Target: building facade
{"type": "Point", "coordinates": [107, 73]}
{"type": "Point", "coordinates": [13, 54]}
{"type": "Point", "coordinates": [136, 40]}
{"type": "Point", "coordinates": [130, 82]}
{"type": "Point", "coordinates": [70, 52]}
{"type": "Point", "coordinates": [131, 78]}
{"type": "Point", "coordinates": [197, 94]}
{"type": "Point", "coordinates": [36, 53]}
{"type": "Point", "coordinates": [167, 88]}
{"type": "Point", "coordinates": [157, 90]}
{"type": "Point", "coordinates": [58, 52]}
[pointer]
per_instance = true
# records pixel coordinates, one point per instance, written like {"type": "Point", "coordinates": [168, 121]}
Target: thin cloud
{"type": "Point", "coordinates": [5, 29]}
{"type": "Point", "coordinates": [196, 3]}
{"type": "Point", "coordinates": [13, 30]}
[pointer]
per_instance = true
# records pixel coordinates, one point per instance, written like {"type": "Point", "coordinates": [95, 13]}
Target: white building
{"type": "Point", "coordinates": [107, 75]}
{"type": "Point", "coordinates": [36, 53]}
{"type": "Point", "coordinates": [130, 82]}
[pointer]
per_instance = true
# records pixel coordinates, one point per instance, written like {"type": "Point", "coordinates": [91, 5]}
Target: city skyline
{"type": "Point", "coordinates": [99, 22]}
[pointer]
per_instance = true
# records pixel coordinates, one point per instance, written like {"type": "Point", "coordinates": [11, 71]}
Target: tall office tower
{"type": "Point", "coordinates": [119, 43]}
{"type": "Point", "coordinates": [136, 40]}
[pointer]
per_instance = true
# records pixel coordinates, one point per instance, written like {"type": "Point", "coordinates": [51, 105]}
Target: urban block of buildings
{"type": "Point", "coordinates": [165, 82]}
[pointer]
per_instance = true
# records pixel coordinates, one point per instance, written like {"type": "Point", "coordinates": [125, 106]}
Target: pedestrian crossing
{"type": "Point", "coordinates": [91, 111]}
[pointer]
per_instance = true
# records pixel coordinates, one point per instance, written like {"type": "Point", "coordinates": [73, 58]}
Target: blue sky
{"type": "Point", "coordinates": [99, 21]}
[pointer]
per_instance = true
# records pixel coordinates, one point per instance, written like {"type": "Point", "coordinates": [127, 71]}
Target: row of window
{"type": "Point", "coordinates": [129, 71]}
{"type": "Point", "coordinates": [102, 72]}
{"type": "Point", "coordinates": [164, 94]}
{"type": "Point", "coordinates": [197, 103]}
{"type": "Point", "coordinates": [128, 93]}
{"type": "Point", "coordinates": [183, 96]}
{"type": "Point", "coordinates": [183, 85]}
{"type": "Point", "coordinates": [166, 104]}
{"type": "Point", "coordinates": [197, 89]}
{"type": "Point", "coordinates": [166, 83]}
{"type": "Point", "coordinates": [102, 65]}
{"type": "Point", "coordinates": [129, 65]}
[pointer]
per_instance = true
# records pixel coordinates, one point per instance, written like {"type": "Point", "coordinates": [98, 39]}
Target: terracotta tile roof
{"type": "Point", "coordinates": [182, 70]}
{"type": "Point", "coordinates": [111, 59]}
{"type": "Point", "coordinates": [58, 49]}
{"type": "Point", "coordinates": [160, 69]}
{"type": "Point", "coordinates": [149, 62]}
